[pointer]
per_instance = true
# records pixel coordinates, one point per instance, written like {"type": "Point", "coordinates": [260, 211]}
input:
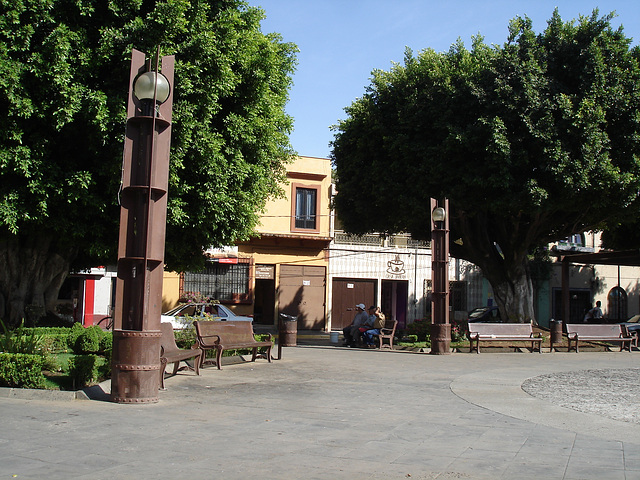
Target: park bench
{"type": "Point", "coordinates": [227, 335]}
{"type": "Point", "coordinates": [577, 332]}
{"type": "Point", "coordinates": [388, 332]}
{"type": "Point", "coordinates": [171, 353]}
{"type": "Point", "coordinates": [502, 332]}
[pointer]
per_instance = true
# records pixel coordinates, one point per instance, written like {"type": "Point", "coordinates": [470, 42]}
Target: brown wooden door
{"type": "Point", "coordinates": [302, 293]}
{"type": "Point", "coordinates": [346, 294]}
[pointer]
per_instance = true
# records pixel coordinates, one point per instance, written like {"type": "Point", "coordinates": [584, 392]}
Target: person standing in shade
{"type": "Point", "coordinates": [350, 332]}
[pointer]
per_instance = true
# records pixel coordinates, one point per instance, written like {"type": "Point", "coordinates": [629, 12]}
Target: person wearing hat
{"type": "Point", "coordinates": [376, 320]}
{"type": "Point", "coordinates": [352, 331]}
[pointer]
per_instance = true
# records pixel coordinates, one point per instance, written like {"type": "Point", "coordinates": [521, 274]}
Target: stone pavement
{"type": "Point", "coordinates": [327, 412]}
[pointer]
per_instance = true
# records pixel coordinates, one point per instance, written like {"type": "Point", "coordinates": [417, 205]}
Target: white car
{"type": "Point", "coordinates": [182, 315]}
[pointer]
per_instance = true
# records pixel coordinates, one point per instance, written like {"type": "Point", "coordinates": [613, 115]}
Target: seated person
{"type": "Point", "coordinates": [377, 320]}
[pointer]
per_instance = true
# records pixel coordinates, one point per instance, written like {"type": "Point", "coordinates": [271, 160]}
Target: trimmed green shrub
{"type": "Point", "coordinates": [421, 329]}
{"type": "Point", "coordinates": [21, 370]}
{"type": "Point", "coordinates": [88, 369]}
{"type": "Point", "coordinates": [72, 337]}
{"type": "Point", "coordinates": [89, 340]}
{"type": "Point", "coordinates": [54, 339]}
{"type": "Point", "coordinates": [55, 342]}
{"type": "Point", "coordinates": [49, 330]}
{"type": "Point", "coordinates": [50, 363]}
{"type": "Point", "coordinates": [106, 344]}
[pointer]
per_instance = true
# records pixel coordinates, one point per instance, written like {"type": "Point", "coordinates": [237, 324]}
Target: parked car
{"type": "Point", "coordinates": [485, 315]}
{"type": "Point", "coordinates": [633, 324]}
{"type": "Point", "coordinates": [182, 315]}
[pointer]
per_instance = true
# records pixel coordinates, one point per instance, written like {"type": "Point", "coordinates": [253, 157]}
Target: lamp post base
{"type": "Point", "coordinates": [135, 367]}
{"type": "Point", "coordinates": [441, 339]}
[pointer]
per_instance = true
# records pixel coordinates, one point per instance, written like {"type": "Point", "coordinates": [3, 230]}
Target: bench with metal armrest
{"type": "Point", "coordinates": [226, 335]}
{"type": "Point", "coordinates": [502, 332]}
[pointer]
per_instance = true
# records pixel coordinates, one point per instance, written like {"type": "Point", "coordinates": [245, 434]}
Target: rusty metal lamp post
{"type": "Point", "coordinates": [440, 328]}
{"type": "Point", "coordinates": [135, 364]}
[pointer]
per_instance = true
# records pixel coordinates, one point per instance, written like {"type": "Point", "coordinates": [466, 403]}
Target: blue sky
{"type": "Point", "coordinates": [342, 41]}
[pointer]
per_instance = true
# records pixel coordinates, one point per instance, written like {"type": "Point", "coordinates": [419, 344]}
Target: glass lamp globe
{"type": "Point", "coordinates": [439, 214]}
{"type": "Point", "coordinates": [144, 87]}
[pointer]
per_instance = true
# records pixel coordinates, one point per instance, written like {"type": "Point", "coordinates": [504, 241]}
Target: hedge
{"type": "Point", "coordinates": [88, 369]}
{"type": "Point", "coordinates": [21, 370]}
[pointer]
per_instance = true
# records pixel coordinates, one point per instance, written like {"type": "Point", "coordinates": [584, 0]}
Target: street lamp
{"type": "Point", "coordinates": [439, 214]}
{"type": "Point", "coordinates": [135, 360]}
{"type": "Point", "coordinates": [152, 85]}
{"type": "Point", "coordinates": [440, 328]}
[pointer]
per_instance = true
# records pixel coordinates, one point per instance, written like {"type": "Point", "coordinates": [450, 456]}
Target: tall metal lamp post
{"type": "Point", "coordinates": [440, 328]}
{"type": "Point", "coordinates": [135, 364]}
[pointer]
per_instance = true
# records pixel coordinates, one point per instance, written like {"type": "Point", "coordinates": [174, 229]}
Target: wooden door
{"type": "Point", "coordinates": [346, 294]}
{"type": "Point", "coordinates": [302, 293]}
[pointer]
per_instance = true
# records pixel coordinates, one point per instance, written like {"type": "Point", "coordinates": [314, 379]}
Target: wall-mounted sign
{"type": "Point", "coordinates": [395, 266]}
{"type": "Point", "coordinates": [350, 285]}
{"type": "Point", "coordinates": [230, 261]}
{"type": "Point", "coordinates": [306, 282]}
{"type": "Point", "coordinates": [265, 272]}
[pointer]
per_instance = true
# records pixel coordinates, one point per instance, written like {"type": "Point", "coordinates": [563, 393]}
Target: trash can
{"type": "Point", "coordinates": [288, 330]}
{"type": "Point", "coordinates": [555, 328]}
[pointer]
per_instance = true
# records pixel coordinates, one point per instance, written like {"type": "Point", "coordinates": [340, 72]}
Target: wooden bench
{"type": "Point", "coordinates": [388, 332]}
{"type": "Point", "coordinates": [170, 353]}
{"type": "Point", "coordinates": [577, 332]}
{"type": "Point", "coordinates": [502, 332]}
{"type": "Point", "coordinates": [227, 335]}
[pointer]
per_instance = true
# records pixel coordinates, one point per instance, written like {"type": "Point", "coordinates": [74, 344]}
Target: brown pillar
{"type": "Point", "coordinates": [566, 292]}
{"type": "Point", "coordinates": [145, 171]}
{"type": "Point", "coordinates": [440, 328]}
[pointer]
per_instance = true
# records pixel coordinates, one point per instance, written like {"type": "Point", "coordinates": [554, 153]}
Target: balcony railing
{"type": "Point", "coordinates": [403, 241]}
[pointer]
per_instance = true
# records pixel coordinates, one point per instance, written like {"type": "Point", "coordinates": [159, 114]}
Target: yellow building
{"type": "Point", "coordinates": [284, 268]}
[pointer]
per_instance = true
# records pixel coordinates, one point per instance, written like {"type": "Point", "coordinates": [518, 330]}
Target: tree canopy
{"type": "Point", "coordinates": [531, 141]}
{"type": "Point", "coordinates": [64, 71]}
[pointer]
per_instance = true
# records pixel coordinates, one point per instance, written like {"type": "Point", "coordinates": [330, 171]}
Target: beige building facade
{"type": "Point", "coordinates": [283, 269]}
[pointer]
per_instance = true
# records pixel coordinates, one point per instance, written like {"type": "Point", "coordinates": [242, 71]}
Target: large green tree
{"type": "Point", "coordinates": [64, 71]}
{"type": "Point", "coordinates": [531, 141]}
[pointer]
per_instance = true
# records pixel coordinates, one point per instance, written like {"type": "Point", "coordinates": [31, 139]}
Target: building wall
{"type": "Point", "coordinates": [303, 171]}
{"type": "Point", "coordinates": [170, 290]}
{"type": "Point", "coordinates": [280, 243]}
{"type": "Point", "coordinates": [395, 260]}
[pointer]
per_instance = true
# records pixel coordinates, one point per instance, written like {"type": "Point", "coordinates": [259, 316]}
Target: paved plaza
{"type": "Point", "coordinates": [327, 412]}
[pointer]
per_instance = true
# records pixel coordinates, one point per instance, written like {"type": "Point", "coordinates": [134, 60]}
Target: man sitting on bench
{"type": "Point", "coordinates": [351, 332]}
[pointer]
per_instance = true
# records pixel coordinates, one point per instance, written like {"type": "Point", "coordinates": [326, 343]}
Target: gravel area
{"type": "Point", "coordinates": [612, 393]}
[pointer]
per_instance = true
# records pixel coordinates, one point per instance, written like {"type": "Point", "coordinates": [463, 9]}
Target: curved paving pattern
{"type": "Point", "coordinates": [613, 393]}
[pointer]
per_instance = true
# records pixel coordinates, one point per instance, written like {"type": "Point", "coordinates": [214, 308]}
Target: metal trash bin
{"type": "Point", "coordinates": [288, 330]}
{"type": "Point", "coordinates": [555, 328]}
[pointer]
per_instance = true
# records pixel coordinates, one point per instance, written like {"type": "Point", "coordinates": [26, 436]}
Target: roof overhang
{"type": "Point", "coordinates": [620, 257]}
{"type": "Point", "coordinates": [289, 239]}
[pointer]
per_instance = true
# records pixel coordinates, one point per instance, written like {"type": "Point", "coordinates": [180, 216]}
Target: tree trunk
{"type": "Point", "coordinates": [514, 296]}
{"type": "Point", "coordinates": [32, 270]}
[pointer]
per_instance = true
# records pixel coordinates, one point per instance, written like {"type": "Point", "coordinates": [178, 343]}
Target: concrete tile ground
{"type": "Point", "coordinates": [326, 412]}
